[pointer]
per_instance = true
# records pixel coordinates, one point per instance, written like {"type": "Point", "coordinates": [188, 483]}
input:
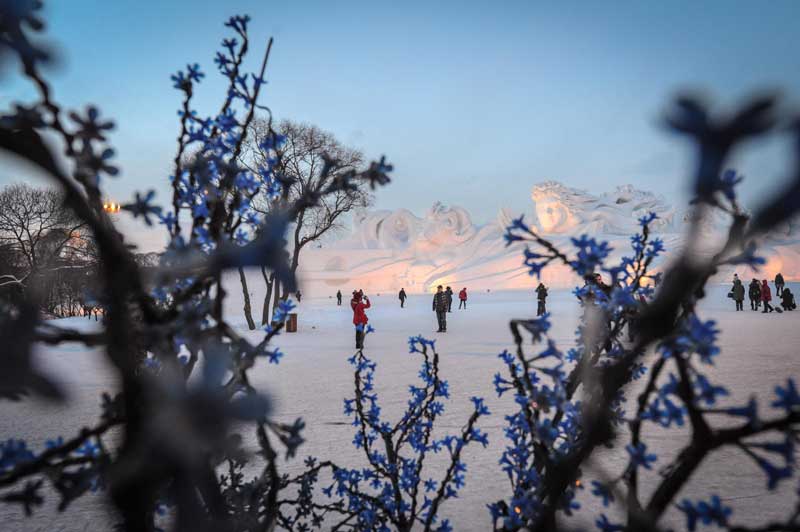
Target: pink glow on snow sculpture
{"type": "Point", "coordinates": [387, 250]}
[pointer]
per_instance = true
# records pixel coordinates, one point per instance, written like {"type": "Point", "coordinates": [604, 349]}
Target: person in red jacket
{"type": "Point", "coordinates": [359, 303]}
{"type": "Point", "coordinates": [766, 297]}
{"type": "Point", "coordinates": [462, 298]}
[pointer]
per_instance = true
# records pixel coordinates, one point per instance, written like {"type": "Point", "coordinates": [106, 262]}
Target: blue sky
{"type": "Point", "coordinates": [473, 102]}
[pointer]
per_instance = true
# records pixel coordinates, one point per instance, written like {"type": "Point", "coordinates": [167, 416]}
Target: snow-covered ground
{"type": "Point", "coordinates": [758, 351]}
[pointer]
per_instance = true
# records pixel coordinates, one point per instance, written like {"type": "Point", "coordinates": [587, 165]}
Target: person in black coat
{"type": "Point", "coordinates": [402, 296]}
{"type": "Point", "coordinates": [339, 297]}
{"type": "Point", "coordinates": [779, 284]}
{"type": "Point", "coordinates": [593, 283]}
{"type": "Point", "coordinates": [449, 293]}
{"type": "Point", "coordinates": [738, 294]}
{"type": "Point", "coordinates": [541, 296]}
{"type": "Point", "coordinates": [601, 285]}
{"type": "Point", "coordinates": [754, 293]}
{"type": "Point", "coordinates": [440, 307]}
{"type": "Point", "coordinates": [787, 299]}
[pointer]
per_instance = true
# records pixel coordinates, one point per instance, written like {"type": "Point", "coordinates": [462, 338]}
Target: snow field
{"type": "Point", "coordinates": [758, 352]}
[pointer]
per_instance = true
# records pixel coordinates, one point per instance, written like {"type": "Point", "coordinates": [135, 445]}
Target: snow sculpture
{"type": "Point", "coordinates": [391, 249]}
{"type": "Point", "coordinates": [448, 226]}
{"type": "Point", "coordinates": [387, 229]}
{"type": "Point", "coordinates": [399, 230]}
{"type": "Point", "coordinates": [442, 227]}
{"type": "Point", "coordinates": [565, 210]}
{"type": "Point", "coordinates": [634, 204]}
{"type": "Point", "coordinates": [559, 209]}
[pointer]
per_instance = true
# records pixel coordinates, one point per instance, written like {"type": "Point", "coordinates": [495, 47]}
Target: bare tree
{"type": "Point", "coordinates": [44, 249]}
{"type": "Point", "coordinates": [35, 225]}
{"type": "Point", "coordinates": [309, 160]}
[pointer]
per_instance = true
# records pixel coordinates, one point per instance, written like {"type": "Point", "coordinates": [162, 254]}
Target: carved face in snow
{"type": "Point", "coordinates": [447, 226]}
{"type": "Point", "coordinates": [562, 209]}
{"type": "Point", "coordinates": [554, 216]}
{"type": "Point", "coordinates": [387, 229]}
{"type": "Point", "coordinates": [398, 230]}
{"type": "Point", "coordinates": [552, 211]}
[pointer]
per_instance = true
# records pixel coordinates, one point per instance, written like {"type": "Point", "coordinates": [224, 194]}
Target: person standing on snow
{"type": "Point", "coordinates": [766, 296]}
{"type": "Point", "coordinates": [449, 294]}
{"type": "Point", "coordinates": [402, 296]}
{"type": "Point", "coordinates": [462, 298]}
{"type": "Point", "coordinates": [541, 296]}
{"type": "Point", "coordinates": [738, 294]}
{"type": "Point", "coordinates": [440, 307]}
{"type": "Point", "coordinates": [359, 303]}
{"type": "Point", "coordinates": [779, 284]}
{"type": "Point", "coordinates": [754, 292]}
{"type": "Point", "coordinates": [339, 298]}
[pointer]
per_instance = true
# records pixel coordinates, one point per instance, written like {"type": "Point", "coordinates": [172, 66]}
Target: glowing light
{"type": "Point", "coordinates": [111, 207]}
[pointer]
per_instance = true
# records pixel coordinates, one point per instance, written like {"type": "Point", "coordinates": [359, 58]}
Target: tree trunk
{"type": "Point", "coordinates": [269, 281]}
{"type": "Point", "coordinates": [276, 295]}
{"type": "Point", "coordinates": [295, 263]}
{"type": "Point", "coordinates": [248, 313]}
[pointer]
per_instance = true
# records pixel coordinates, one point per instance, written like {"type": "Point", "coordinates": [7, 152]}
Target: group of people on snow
{"type": "Point", "coordinates": [462, 297]}
{"type": "Point", "coordinates": [760, 294]}
{"type": "Point", "coordinates": [442, 304]}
